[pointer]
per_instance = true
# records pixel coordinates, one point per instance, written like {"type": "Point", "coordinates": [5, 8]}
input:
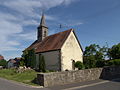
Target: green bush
{"type": "Point", "coordinates": [22, 63]}
{"type": "Point", "coordinates": [115, 62]}
{"type": "Point", "coordinates": [79, 65]}
{"type": "Point", "coordinates": [114, 52]}
{"type": "Point", "coordinates": [100, 63]}
{"type": "Point", "coordinates": [29, 58]}
{"type": "Point", "coordinates": [42, 66]}
{"type": "Point", "coordinates": [3, 63]}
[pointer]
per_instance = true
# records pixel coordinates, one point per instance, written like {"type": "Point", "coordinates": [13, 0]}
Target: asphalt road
{"type": "Point", "coordinates": [89, 85]}
{"type": "Point", "coordinates": [11, 85]}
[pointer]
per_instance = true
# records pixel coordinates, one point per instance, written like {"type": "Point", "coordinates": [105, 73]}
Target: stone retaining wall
{"type": "Point", "coordinates": [61, 78]}
{"type": "Point", "coordinates": [110, 72]}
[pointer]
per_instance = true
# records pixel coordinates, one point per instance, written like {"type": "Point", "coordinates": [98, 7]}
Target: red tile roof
{"type": "Point", "coordinates": [50, 43]}
{"type": "Point", "coordinates": [1, 57]}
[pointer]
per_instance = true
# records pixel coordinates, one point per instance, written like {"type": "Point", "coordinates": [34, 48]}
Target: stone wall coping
{"type": "Point", "coordinates": [69, 71]}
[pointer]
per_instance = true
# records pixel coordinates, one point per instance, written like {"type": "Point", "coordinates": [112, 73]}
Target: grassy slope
{"type": "Point", "coordinates": [26, 77]}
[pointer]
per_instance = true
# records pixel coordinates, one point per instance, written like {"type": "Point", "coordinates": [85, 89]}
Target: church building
{"type": "Point", "coordinates": [60, 50]}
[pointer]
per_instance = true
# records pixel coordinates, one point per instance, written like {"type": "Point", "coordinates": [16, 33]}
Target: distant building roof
{"type": "Point", "coordinates": [1, 57]}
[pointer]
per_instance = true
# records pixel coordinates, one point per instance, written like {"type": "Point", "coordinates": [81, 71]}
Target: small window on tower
{"type": "Point", "coordinates": [45, 33]}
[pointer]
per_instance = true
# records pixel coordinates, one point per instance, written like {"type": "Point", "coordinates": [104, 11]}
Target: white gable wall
{"type": "Point", "coordinates": [70, 51]}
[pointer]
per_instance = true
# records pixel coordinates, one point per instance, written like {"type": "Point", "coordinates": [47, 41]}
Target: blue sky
{"type": "Point", "coordinates": [94, 21]}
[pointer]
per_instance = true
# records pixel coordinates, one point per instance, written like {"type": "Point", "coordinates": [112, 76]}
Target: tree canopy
{"type": "Point", "coordinates": [114, 52]}
{"type": "Point", "coordinates": [94, 56]}
{"type": "Point", "coordinates": [3, 63]}
{"type": "Point", "coordinates": [29, 58]}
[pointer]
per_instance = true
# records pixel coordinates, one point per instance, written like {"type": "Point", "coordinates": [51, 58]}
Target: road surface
{"type": "Point", "coordinates": [89, 85]}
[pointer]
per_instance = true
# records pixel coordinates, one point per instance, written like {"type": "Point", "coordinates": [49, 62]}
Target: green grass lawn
{"type": "Point", "coordinates": [26, 77]}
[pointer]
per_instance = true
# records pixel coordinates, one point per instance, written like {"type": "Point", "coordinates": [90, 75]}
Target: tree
{"type": "Point", "coordinates": [3, 63]}
{"type": "Point", "coordinates": [89, 61]}
{"type": "Point", "coordinates": [42, 66]}
{"type": "Point", "coordinates": [22, 62]}
{"type": "Point", "coordinates": [32, 58]}
{"type": "Point", "coordinates": [94, 56]}
{"type": "Point", "coordinates": [114, 52]}
{"type": "Point", "coordinates": [79, 65]}
{"type": "Point", "coordinates": [115, 62]}
{"type": "Point", "coordinates": [29, 58]}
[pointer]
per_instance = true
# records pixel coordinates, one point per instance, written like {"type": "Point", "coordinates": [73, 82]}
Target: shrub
{"type": "Point", "coordinates": [100, 63]}
{"type": "Point", "coordinates": [114, 52]}
{"type": "Point", "coordinates": [115, 62]}
{"type": "Point", "coordinates": [89, 61]}
{"type": "Point", "coordinates": [29, 58]}
{"type": "Point", "coordinates": [3, 63]}
{"type": "Point", "coordinates": [22, 63]}
{"type": "Point", "coordinates": [42, 66]}
{"type": "Point", "coordinates": [79, 65]}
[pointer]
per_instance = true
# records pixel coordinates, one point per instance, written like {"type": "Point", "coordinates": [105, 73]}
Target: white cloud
{"type": "Point", "coordinates": [67, 2]}
{"type": "Point", "coordinates": [29, 22]}
{"type": "Point", "coordinates": [9, 49]}
{"type": "Point", "coordinates": [7, 29]}
{"type": "Point", "coordinates": [26, 7]}
{"type": "Point", "coordinates": [22, 13]}
{"type": "Point", "coordinates": [34, 22]}
{"type": "Point", "coordinates": [50, 17]}
{"type": "Point", "coordinates": [7, 16]}
{"type": "Point", "coordinates": [75, 24]}
{"type": "Point", "coordinates": [13, 43]}
{"type": "Point", "coordinates": [28, 36]}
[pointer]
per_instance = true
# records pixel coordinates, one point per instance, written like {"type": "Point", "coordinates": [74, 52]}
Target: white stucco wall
{"type": "Point", "coordinates": [70, 51]}
{"type": "Point", "coordinates": [52, 60]}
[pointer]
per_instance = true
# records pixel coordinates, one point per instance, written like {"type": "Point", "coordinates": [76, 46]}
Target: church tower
{"type": "Point", "coordinates": [42, 29]}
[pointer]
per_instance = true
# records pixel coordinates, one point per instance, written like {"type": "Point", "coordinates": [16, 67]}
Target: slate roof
{"type": "Point", "coordinates": [51, 43]}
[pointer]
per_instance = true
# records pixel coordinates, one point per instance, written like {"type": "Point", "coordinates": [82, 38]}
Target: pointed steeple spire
{"type": "Point", "coordinates": [42, 29]}
{"type": "Point", "coordinates": [43, 23]}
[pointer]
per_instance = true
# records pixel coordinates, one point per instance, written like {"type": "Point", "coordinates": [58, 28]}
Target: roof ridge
{"type": "Point", "coordinates": [61, 32]}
